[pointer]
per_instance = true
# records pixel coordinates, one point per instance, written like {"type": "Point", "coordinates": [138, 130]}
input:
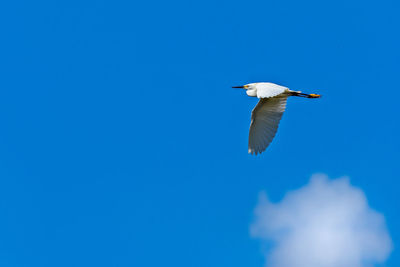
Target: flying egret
{"type": "Point", "coordinates": [268, 112]}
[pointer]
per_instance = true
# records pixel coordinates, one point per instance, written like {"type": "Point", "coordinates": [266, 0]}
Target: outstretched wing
{"type": "Point", "coordinates": [265, 119]}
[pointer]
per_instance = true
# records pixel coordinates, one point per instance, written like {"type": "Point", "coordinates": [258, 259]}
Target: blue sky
{"type": "Point", "coordinates": [122, 143]}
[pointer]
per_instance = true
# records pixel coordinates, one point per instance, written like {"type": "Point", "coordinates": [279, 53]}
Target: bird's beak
{"type": "Point", "coordinates": [238, 86]}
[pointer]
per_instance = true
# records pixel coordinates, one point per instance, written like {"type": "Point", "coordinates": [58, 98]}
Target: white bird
{"type": "Point", "coordinates": [267, 114]}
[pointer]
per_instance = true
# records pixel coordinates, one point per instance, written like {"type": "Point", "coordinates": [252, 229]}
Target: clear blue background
{"type": "Point", "coordinates": [122, 143]}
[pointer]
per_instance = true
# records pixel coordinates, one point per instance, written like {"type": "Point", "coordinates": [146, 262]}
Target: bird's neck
{"type": "Point", "coordinates": [252, 92]}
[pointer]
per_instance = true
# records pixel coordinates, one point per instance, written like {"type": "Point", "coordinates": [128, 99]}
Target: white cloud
{"type": "Point", "coordinates": [326, 223]}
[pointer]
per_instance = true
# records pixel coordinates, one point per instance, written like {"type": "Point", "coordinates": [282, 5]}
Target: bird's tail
{"type": "Point", "coordinates": [300, 94]}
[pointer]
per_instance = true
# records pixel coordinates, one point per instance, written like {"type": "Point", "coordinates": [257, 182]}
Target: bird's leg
{"type": "Point", "coordinates": [300, 94]}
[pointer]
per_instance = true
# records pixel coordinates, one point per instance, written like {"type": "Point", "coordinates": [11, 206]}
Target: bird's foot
{"type": "Point", "coordinates": [314, 96]}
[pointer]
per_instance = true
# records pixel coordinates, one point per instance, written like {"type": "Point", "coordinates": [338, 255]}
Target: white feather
{"type": "Point", "coordinates": [265, 90]}
{"type": "Point", "coordinates": [265, 119]}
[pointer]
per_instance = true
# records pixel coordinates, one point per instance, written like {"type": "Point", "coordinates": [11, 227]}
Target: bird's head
{"type": "Point", "coordinates": [248, 86]}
